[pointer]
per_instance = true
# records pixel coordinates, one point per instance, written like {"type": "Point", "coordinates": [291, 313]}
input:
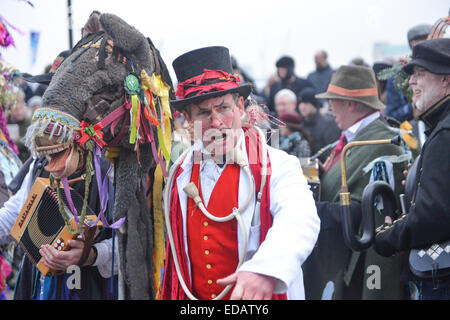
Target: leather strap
{"type": "Point", "coordinates": [89, 234]}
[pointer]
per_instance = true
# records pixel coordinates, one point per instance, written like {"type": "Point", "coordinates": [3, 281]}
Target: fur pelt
{"type": "Point", "coordinates": [88, 85]}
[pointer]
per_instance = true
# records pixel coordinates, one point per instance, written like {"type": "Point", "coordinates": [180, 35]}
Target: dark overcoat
{"type": "Point", "coordinates": [332, 260]}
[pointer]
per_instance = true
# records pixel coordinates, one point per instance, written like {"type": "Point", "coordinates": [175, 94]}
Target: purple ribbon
{"type": "Point", "coordinates": [69, 199]}
{"type": "Point", "coordinates": [102, 191]}
{"type": "Point", "coordinates": [12, 26]}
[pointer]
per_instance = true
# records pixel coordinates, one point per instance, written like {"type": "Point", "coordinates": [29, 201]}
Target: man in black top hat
{"type": "Point", "coordinates": [428, 219]}
{"type": "Point", "coordinates": [236, 231]}
{"type": "Point", "coordinates": [286, 72]}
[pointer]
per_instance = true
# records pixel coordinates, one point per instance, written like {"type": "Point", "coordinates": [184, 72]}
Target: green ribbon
{"type": "Point", "coordinates": [87, 182]}
{"type": "Point", "coordinates": [134, 107]}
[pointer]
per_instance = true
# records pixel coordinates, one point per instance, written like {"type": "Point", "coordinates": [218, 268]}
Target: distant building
{"type": "Point", "coordinates": [383, 51]}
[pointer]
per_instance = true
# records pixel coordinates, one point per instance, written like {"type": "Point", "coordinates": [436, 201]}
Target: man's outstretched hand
{"type": "Point", "coordinates": [250, 286]}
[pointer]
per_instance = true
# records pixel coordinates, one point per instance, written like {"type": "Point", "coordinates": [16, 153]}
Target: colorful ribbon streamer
{"type": "Point", "coordinates": [88, 131]}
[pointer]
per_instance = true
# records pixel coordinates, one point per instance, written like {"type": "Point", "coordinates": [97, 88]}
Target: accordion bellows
{"type": "Point", "coordinates": [40, 222]}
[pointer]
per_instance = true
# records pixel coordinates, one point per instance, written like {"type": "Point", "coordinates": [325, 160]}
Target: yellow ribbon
{"type": "Point", "coordinates": [410, 140]}
{"type": "Point", "coordinates": [165, 139]}
{"type": "Point", "coordinates": [158, 87]}
{"type": "Point", "coordinates": [159, 249]}
{"type": "Point", "coordinates": [134, 107]}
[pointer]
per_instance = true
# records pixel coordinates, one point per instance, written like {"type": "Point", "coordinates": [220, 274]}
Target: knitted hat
{"type": "Point", "coordinates": [286, 62]}
{"type": "Point", "coordinates": [292, 120]}
{"type": "Point", "coordinates": [308, 95]}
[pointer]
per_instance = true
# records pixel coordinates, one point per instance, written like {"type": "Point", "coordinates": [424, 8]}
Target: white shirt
{"type": "Point", "coordinates": [351, 132]}
{"type": "Point", "coordinates": [210, 173]}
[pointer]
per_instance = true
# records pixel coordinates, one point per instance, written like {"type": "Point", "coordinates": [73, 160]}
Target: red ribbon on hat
{"type": "Point", "coordinates": [88, 131]}
{"type": "Point", "coordinates": [196, 85]}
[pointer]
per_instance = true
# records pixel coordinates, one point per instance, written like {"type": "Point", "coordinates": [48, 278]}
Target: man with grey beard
{"type": "Point", "coordinates": [428, 219]}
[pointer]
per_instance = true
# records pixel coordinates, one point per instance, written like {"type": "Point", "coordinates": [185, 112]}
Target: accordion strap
{"type": "Point", "coordinates": [89, 234]}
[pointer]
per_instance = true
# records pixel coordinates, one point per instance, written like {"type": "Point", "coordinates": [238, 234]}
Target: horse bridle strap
{"type": "Point", "coordinates": [89, 234]}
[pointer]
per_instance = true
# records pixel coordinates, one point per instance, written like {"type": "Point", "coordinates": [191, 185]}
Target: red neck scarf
{"type": "Point", "coordinates": [171, 288]}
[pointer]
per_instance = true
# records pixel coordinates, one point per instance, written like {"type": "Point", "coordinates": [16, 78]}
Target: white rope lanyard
{"type": "Point", "coordinates": [192, 192]}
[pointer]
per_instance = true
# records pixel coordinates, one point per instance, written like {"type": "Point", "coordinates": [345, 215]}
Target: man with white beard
{"type": "Point", "coordinates": [428, 219]}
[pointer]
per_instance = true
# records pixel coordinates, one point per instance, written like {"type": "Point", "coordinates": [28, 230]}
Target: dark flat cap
{"type": "Point", "coordinates": [432, 55]}
{"type": "Point", "coordinates": [418, 32]}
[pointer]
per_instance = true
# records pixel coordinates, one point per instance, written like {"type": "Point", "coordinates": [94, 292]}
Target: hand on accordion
{"type": "Point", "coordinates": [61, 260]}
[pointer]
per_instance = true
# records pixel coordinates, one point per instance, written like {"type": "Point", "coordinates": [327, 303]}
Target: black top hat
{"type": "Point", "coordinates": [47, 77]}
{"type": "Point", "coordinates": [205, 73]}
{"type": "Point", "coordinates": [432, 55]}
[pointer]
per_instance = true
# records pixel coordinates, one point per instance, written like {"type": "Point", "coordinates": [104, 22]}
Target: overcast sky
{"type": "Point", "coordinates": [256, 32]}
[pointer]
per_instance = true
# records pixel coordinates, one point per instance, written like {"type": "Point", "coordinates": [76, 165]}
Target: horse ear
{"type": "Point", "coordinates": [128, 39]}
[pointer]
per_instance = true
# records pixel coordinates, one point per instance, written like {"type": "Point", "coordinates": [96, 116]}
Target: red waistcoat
{"type": "Point", "coordinates": [171, 288]}
{"type": "Point", "coordinates": [212, 246]}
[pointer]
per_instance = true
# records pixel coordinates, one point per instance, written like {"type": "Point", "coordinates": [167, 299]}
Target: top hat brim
{"type": "Point", "coordinates": [40, 78]}
{"type": "Point", "coordinates": [244, 90]}
{"type": "Point", "coordinates": [371, 101]}
{"type": "Point", "coordinates": [431, 66]}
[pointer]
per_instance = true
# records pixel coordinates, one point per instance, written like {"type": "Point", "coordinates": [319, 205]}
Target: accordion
{"type": "Point", "coordinates": [40, 222]}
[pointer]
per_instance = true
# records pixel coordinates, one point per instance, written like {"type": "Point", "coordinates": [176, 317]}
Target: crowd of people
{"type": "Point", "coordinates": [241, 220]}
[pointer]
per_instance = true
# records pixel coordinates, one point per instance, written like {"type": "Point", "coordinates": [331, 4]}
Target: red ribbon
{"type": "Point", "coordinates": [88, 131]}
{"type": "Point", "coordinates": [148, 109]}
{"type": "Point", "coordinates": [196, 85]}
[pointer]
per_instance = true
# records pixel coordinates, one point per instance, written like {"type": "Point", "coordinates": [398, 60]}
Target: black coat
{"type": "Point", "coordinates": [320, 78]}
{"type": "Point", "coordinates": [428, 219]}
{"type": "Point", "coordinates": [323, 130]}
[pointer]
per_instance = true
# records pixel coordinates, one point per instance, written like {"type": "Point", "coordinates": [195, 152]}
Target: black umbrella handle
{"type": "Point", "coordinates": [351, 237]}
